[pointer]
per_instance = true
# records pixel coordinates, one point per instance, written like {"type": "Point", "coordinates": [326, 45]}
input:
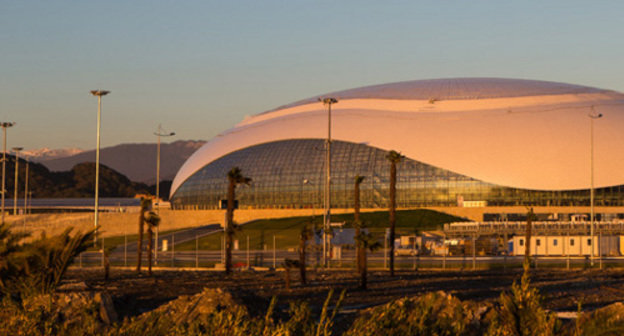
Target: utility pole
{"type": "Point", "coordinates": [16, 150]}
{"type": "Point", "coordinates": [4, 126]}
{"type": "Point", "coordinates": [159, 134]}
{"type": "Point", "coordinates": [99, 94]}
{"type": "Point", "coordinates": [327, 215]}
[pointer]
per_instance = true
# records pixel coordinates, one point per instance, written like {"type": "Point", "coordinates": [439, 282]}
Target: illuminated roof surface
{"type": "Point", "coordinates": [511, 132]}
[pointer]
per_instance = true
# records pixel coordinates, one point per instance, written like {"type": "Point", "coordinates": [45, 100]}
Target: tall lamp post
{"type": "Point", "coordinates": [99, 94]}
{"type": "Point", "coordinates": [592, 116]}
{"type": "Point", "coordinates": [26, 191]}
{"type": "Point", "coordinates": [159, 134]}
{"type": "Point", "coordinates": [16, 150]}
{"type": "Point", "coordinates": [327, 215]}
{"type": "Point", "coordinates": [4, 126]}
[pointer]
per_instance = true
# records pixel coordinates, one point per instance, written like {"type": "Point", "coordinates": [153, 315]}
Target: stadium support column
{"type": "Point", "coordinates": [592, 115]}
{"type": "Point", "coordinates": [327, 213]}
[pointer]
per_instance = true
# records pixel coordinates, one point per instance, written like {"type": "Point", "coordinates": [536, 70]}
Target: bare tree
{"type": "Point", "coordinates": [394, 158]}
{"type": "Point", "coordinates": [235, 177]}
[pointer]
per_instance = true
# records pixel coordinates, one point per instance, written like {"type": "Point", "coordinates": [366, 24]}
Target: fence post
{"type": "Point", "coordinates": [248, 266]}
{"type": "Point", "coordinates": [568, 251]}
{"type": "Point", "coordinates": [102, 251]}
{"type": "Point", "coordinates": [196, 251]}
{"type": "Point", "coordinates": [173, 250]}
{"type": "Point", "coordinates": [506, 245]}
{"type": "Point", "coordinates": [474, 252]}
{"type": "Point", "coordinates": [600, 247]}
{"type": "Point", "coordinates": [385, 252]}
{"type": "Point", "coordinates": [274, 261]}
{"type": "Point", "coordinates": [414, 253]}
{"type": "Point", "coordinates": [223, 248]}
{"type": "Point", "coordinates": [125, 250]}
{"type": "Point", "coordinates": [444, 251]}
{"type": "Point", "coordinates": [535, 254]}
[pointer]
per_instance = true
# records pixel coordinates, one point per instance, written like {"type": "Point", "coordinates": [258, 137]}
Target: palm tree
{"type": "Point", "coordinates": [152, 221]}
{"type": "Point", "coordinates": [145, 204]}
{"type": "Point", "coordinates": [394, 158]}
{"type": "Point", "coordinates": [235, 177]}
{"type": "Point", "coordinates": [357, 223]}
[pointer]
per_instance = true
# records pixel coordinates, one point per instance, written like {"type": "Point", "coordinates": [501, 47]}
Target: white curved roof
{"type": "Point", "coordinates": [510, 132]}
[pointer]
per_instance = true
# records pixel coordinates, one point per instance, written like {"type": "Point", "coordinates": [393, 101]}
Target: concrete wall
{"type": "Point", "coordinates": [116, 224]}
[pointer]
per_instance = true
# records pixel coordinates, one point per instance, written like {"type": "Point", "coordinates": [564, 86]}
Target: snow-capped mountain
{"type": "Point", "coordinates": [44, 154]}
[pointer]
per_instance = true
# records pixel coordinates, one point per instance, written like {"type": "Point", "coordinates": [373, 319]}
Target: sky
{"type": "Point", "coordinates": [200, 67]}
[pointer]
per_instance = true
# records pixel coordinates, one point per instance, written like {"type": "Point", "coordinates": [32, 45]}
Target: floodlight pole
{"type": "Point", "coordinates": [99, 94]}
{"type": "Point", "coordinates": [159, 134]}
{"type": "Point", "coordinates": [16, 150]}
{"type": "Point", "coordinates": [4, 126]}
{"type": "Point", "coordinates": [327, 215]}
{"type": "Point", "coordinates": [592, 115]}
{"type": "Point", "coordinates": [26, 190]}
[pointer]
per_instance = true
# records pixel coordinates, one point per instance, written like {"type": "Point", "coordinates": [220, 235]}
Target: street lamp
{"type": "Point", "coordinates": [159, 134]}
{"type": "Point", "coordinates": [327, 215]}
{"type": "Point", "coordinates": [99, 94]}
{"type": "Point", "coordinates": [4, 126]}
{"type": "Point", "coordinates": [26, 191]}
{"type": "Point", "coordinates": [592, 116]}
{"type": "Point", "coordinates": [16, 150]}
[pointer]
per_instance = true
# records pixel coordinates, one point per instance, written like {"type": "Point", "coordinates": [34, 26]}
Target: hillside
{"type": "Point", "coordinates": [79, 181]}
{"type": "Point", "coordinates": [135, 161]}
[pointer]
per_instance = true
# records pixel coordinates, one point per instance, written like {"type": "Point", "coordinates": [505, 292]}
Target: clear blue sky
{"type": "Point", "coordinates": [198, 67]}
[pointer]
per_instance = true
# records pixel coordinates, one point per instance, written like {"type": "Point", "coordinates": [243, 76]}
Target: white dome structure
{"type": "Point", "coordinates": [511, 133]}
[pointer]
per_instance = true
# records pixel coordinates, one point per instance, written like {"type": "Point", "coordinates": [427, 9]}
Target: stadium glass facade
{"type": "Point", "coordinates": [290, 174]}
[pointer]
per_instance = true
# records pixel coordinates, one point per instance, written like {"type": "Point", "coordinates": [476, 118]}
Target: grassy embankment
{"type": "Point", "coordinates": [287, 230]}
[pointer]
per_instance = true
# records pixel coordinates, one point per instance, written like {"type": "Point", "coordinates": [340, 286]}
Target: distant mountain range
{"type": "Point", "coordinates": [136, 161]}
{"type": "Point", "coordinates": [78, 182]}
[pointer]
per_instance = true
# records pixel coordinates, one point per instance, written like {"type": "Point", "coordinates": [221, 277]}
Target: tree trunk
{"type": "Point", "coordinates": [392, 213]}
{"type": "Point", "coordinates": [363, 269]}
{"type": "Point", "coordinates": [302, 256]}
{"type": "Point", "coordinates": [140, 241]}
{"type": "Point", "coordinates": [150, 247]}
{"type": "Point", "coordinates": [229, 225]}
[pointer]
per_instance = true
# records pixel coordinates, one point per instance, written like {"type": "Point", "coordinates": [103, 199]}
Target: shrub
{"type": "Point", "coordinates": [39, 266]}
{"type": "Point", "coordinates": [431, 314]}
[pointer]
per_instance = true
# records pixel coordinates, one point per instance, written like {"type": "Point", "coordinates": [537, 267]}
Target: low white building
{"type": "Point", "coordinates": [564, 245]}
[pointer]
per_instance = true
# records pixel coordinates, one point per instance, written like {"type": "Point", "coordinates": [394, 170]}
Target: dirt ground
{"type": "Point", "coordinates": [562, 290]}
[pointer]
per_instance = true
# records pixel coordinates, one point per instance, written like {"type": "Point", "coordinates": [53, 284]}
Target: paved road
{"type": "Point", "coordinates": [179, 237]}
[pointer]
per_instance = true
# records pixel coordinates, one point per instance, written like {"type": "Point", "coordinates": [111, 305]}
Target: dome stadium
{"type": "Point", "coordinates": [493, 141]}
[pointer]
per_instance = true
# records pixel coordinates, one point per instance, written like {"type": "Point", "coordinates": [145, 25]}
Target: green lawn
{"type": "Point", "coordinates": [287, 230]}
